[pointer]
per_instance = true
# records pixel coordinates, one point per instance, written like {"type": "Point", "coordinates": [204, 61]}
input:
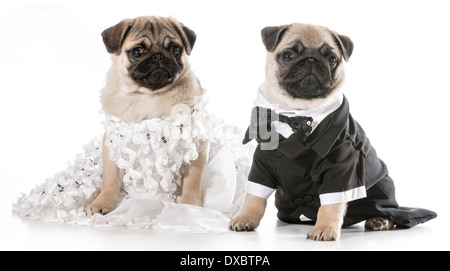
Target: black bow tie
{"type": "Point", "coordinates": [301, 126]}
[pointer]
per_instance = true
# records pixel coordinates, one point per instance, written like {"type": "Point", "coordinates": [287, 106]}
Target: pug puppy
{"type": "Point", "coordinates": [150, 74]}
{"type": "Point", "coordinates": [322, 167]}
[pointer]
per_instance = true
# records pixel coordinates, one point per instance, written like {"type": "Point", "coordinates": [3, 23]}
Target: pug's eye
{"type": "Point", "coordinates": [176, 50]}
{"type": "Point", "coordinates": [136, 53]}
{"type": "Point", "coordinates": [287, 56]}
{"type": "Point", "coordinates": [333, 61]}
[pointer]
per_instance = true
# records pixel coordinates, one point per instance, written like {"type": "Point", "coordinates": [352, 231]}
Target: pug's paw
{"type": "Point", "coordinates": [324, 233]}
{"type": "Point", "coordinates": [378, 224]}
{"type": "Point", "coordinates": [243, 223]}
{"type": "Point", "coordinates": [101, 205]}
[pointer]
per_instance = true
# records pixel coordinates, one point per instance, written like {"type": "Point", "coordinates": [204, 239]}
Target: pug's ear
{"type": "Point", "coordinates": [187, 36]}
{"type": "Point", "coordinates": [115, 36]}
{"type": "Point", "coordinates": [272, 35]}
{"type": "Point", "coordinates": [345, 45]}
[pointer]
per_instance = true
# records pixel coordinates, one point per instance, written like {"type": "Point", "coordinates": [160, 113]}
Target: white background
{"type": "Point", "coordinates": [53, 64]}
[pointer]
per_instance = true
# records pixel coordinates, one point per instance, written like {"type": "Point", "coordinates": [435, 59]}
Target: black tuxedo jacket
{"type": "Point", "coordinates": [335, 164]}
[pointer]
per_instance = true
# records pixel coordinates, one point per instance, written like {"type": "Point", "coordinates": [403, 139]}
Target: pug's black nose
{"type": "Point", "coordinates": [311, 60]}
{"type": "Point", "coordinates": [157, 57]}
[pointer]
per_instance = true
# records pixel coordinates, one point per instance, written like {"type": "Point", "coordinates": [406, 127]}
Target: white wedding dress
{"type": "Point", "coordinates": [153, 154]}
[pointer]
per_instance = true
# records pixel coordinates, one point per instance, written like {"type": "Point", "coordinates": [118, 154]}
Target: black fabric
{"type": "Point", "coordinates": [336, 157]}
{"type": "Point", "coordinates": [263, 118]}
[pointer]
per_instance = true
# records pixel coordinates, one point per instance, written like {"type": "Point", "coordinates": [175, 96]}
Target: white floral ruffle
{"type": "Point", "coordinates": [153, 154]}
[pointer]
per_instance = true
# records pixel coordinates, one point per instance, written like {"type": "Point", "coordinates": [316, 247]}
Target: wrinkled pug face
{"type": "Point", "coordinates": [306, 60]}
{"type": "Point", "coordinates": [152, 50]}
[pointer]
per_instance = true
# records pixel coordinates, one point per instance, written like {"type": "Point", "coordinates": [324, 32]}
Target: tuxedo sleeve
{"type": "Point", "coordinates": [341, 175]}
{"type": "Point", "coordinates": [261, 180]}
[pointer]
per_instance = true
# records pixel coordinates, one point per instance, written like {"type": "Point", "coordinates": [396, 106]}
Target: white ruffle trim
{"type": "Point", "coordinates": [153, 154]}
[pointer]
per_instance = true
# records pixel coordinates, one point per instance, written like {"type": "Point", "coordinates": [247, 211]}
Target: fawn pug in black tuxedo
{"type": "Point", "coordinates": [150, 74]}
{"type": "Point", "coordinates": [322, 167]}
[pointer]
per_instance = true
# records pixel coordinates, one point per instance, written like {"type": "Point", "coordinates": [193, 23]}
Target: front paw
{"type": "Point", "coordinates": [100, 205]}
{"type": "Point", "coordinates": [243, 223]}
{"type": "Point", "coordinates": [324, 233]}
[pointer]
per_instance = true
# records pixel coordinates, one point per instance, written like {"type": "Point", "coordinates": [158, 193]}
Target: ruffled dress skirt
{"type": "Point", "coordinates": [154, 154]}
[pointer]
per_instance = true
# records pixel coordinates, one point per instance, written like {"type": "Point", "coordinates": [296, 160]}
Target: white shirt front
{"type": "Point", "coordinates": [318, 114]}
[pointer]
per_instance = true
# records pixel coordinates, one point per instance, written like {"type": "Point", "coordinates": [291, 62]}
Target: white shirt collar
{"type": "Point", "coordinates": [318, 114]}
